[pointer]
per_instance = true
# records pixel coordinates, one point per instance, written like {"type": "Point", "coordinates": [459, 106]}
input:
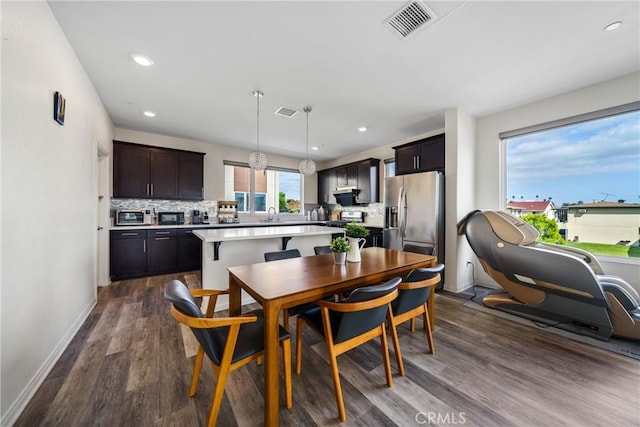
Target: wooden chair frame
{"type": "Point", "coordinates": [225, 367]}
{"type": "Point", "coordinates": [334, 350]}
{"type": "Point", "coordinates": [394, 321]}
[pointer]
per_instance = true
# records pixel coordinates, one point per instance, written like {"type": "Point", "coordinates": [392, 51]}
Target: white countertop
{"type": "Point", "coordinates": [250, 233]}
{"type": "Point", "coordinates": [215, 225]}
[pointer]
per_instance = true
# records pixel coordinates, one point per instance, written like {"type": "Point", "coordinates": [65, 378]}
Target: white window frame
{"type": "Point", "coordinates": [616, 263]}
{"type": "Point", "coordinates": [252, 186]}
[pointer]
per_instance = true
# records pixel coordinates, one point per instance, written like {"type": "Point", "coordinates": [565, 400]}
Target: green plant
{"type": "Point", "coordinates": [339, 244]}
{"type": "Point", "coordinates": [354, 229]}
{"type": "Point", "coordinates": [547, 227]}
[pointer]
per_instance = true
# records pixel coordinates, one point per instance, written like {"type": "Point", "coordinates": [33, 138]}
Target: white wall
{"type": "Point", "coordinates": [49, 200]}
{"type": "Point", "coordinates": [213, 160]}
{"type": "Point", "coordinates": [489, 187]}
{"type": "Point", "coordinates": [459, 196]}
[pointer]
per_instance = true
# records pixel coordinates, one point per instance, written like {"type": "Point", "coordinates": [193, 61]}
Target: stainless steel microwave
{"type": "Point", "coordinates": [130, 218]}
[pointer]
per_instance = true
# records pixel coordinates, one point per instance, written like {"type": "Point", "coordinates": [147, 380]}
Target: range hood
{"type": "Point", "coordinates": [346, 196]}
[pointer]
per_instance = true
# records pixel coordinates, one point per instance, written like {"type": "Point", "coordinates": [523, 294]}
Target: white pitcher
{"type": "Point", "coordinates": [355, 245]}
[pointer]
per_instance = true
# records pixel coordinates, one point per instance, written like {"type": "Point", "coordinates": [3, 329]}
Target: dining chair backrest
{"type": "Point", "coordinates": [426, 250]}
{"type": "Point", "coordinates": [412, 298]}
{"type": "Point", "coordinates": [352, 324]}
{"type": "Point", "coordinates": [278, 255]}
{"type": "Point", "coordinates": [320, 250]}
{"type": "Point", "coordinates": [178, 294]}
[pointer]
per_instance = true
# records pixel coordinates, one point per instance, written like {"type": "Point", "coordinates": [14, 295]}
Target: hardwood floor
{"type": "Point", "coordinates": [131, 363]}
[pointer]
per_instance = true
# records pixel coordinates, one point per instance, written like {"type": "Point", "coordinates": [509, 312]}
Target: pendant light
{"type": "Point", "coordinates": [257, 159]}
{"type": "Point", "coordinates": [307, 166]}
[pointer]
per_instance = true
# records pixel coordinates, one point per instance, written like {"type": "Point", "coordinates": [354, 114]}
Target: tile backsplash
{"type": "Point", "coordinates": [374, 212]}
{"type": "Point", "coordinates": [187, 207]}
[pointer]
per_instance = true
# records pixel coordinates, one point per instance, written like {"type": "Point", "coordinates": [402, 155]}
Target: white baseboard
{"type": "Point", "coordinates": [11, 416]}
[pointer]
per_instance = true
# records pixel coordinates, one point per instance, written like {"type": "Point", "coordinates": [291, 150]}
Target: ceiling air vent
{"type": "Point", "coordinates": [411, 17]}
{"type": "Point", "coordinates": [286, 112]}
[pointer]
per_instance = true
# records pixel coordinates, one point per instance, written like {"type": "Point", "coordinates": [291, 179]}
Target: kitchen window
{"type": "Point", "coordinates": [257, 191]}
{"type": "Point", "coordinates": [389, 168]}
{"type": "Point", "coordinates": [584, 172]}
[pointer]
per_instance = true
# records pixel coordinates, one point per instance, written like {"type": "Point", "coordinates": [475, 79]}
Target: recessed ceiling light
{"type": "Point", "coordinates": [315, 148]}
{"type": "Point", "coordinates": [613, 26]}
{"type": "Point", "coordinates": [362, 129]}
{"type": "Point", "coordinates": [149, 113]}
{"type": "Point", "coordinates": [145, 61]}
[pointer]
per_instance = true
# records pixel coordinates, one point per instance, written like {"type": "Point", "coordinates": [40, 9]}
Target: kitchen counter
{"type": "Point", "coordinates": [252, 233]}
{"type": "Point", "coordinates": [224, 247]}
{"type": "Point", "coordinates": [216, 225]}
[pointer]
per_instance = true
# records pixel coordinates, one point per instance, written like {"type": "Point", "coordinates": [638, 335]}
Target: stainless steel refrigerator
{"type": "Point", "coordinates": [414, 212]}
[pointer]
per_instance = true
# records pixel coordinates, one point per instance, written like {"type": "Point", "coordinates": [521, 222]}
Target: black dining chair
{"type": "Point", "coordinates": [426, 250]}
{"type": "Point", "coordinates": [229, 342]}
{"type": "Point", "coordinates": [413, 294]}
{"type": "Point", "coordinates": [321, 250]}
{"type": "Point", "coordinates": [358, 319]}
{"type": "Point", "coordinates": [291, 311]}
{"type": "Point", "coordinates": [278, 255]}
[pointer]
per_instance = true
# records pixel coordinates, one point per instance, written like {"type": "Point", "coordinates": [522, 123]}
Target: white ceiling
{"type": "Point", "coordinates": [338, 58]}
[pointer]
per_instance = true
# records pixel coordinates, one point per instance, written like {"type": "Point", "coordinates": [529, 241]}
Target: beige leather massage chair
{"type": "Point", "coordinates": [552, 284]}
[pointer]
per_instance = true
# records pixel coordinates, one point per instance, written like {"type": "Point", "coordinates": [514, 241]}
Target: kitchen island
{"type": "Point", "coordinates": [226, 247]}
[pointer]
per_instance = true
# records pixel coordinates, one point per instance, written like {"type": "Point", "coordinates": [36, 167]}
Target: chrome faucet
{"type": "Point", "coordinates": [269, 217]}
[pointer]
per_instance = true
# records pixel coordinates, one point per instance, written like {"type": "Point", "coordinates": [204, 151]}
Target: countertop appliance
{"type": "Point", "coordinates": [132, 217]}
{"type": "Point", "coordinates": [195, 219]}
{"type": "Point", "coordinates": [170, 218]}
{"type": "Point", "coordinates": [414, 212]}
{"type": "Point", "coordinates": [345, 218]}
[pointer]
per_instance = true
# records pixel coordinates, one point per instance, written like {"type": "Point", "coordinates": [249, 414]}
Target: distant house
{"type": "Point", "coordinates": [544, 207]}
{"type": "Point", "coordinates": [601, 222]}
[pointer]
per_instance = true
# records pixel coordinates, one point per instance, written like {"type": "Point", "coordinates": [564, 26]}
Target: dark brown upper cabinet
{"type": "Point", "coordinates": [327, 183]}
{"type": "Point", "coordinates": [363, 175]}
{"type": "Point", "coordinates": [163, 174]}
{"type": "Point", "coordinates": [191, 176]}
{"type": "Point", "coordinates": [144, 172]}
{"type": "Point", "coordinates": [130, 171]}
{"type": "Point", "coordinates": [421, 156]}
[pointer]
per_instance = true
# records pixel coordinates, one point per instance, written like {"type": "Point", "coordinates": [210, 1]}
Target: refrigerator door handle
{"type": "Point", "coordinates": [403, 213]}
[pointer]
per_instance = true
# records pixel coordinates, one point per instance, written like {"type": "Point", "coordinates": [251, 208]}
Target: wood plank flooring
{"type": "Point", "coordinates": [131, 363]}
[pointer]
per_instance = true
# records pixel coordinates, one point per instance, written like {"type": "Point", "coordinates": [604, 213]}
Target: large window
{"type": "Point", "coordinates": [584, 175]}
{"type": "Point", "coordinates": [257, 191]}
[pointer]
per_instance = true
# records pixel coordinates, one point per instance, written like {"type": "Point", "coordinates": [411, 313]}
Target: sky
{"type": "Point", "coordinates": [588, 162]}
{"type": "Point", "coordinates": [290, 184]}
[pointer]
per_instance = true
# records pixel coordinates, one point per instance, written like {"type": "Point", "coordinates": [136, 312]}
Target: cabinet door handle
{"type": "Point", "coordinates": [418, 161]}
{"type": "Point", "coordinates": [163, 238]}
{"type": "Point", "coordinates": [163, 232]}
{"type": "Point", "coordinates": [152, 189]}
{"type": "Point", "coordinates": [148, 190]}
{"type": "Point", "coordinates": [129, 234]}
{"type": "Point", "coordinates": [144, 246]}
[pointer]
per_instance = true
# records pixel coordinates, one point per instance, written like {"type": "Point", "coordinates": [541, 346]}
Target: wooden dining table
{"type": "Point", "coordinates": [290, 282]}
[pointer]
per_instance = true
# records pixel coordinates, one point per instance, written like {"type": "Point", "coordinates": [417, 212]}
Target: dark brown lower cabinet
{"type": "Point", "coordinates": [128, 253]}
{"type": "Point", "coordinates": [140, 252]}
{"type": "Point", "coordinates": [374, 238]}
{"type": "Point", "coordinates": [162, 251]}
{"type": "Point", "coordinates": [189, 251]}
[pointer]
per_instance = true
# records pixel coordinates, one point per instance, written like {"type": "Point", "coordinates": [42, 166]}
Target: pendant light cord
{"type": "Point", "coordinates": [307, 110]}
{"type": "Point", "coordinates": [258, 94]}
